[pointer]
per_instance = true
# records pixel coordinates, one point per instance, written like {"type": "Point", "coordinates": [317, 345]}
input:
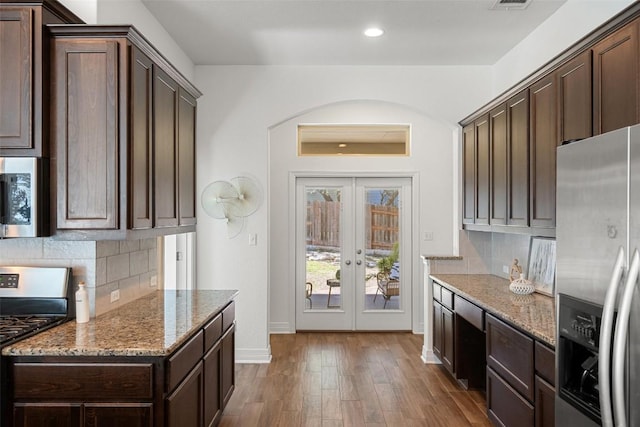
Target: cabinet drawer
{"type": "Point", "coordinates": [447, 298]}
{"type": "Point", "coordinates": [510, 354]}
{"type": "Point", "coordinates": [545, 403]}
{"type": "Point", "coordinates": [470, 312]}
{"type": "Point", "coordinates": [545, 362]}
{"type": "Point", "coordinates": [212, 332]}
{"type": "Point", "coordinates": [437, 292]}
{"type": "Point", "coordinates": [183, 360]}
{"type": "Point", "coordinates": [57, 381]}
{"type": "Point", "coordinates": [228, 315]}
{"type": "Point", "coordinates": [505, 406]}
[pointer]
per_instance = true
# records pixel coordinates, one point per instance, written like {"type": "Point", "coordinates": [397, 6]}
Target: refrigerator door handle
{"type": "Point", "coordinates": [620, 342]}
{"type": "Point", "coordinates": [606, 342]}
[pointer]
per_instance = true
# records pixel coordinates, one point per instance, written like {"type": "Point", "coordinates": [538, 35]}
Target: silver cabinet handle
{"type": "Point", "coordinates": [606, 342]}
{"type": "Point", "coordinates": [620, 342]}
{"type": "Point", "coordinates": [359, 262]}
{"type": "Point", "coordinates": [359, 251]}
{"type": "Point", "coordinates": [348, 262]}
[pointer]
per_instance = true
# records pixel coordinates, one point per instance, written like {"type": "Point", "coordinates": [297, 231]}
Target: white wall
{"type": "Point", "coordinates": [240, 105]}
{"type": "Point", "coordinates": [574, 20]}
{"type": "Point", "coordinates": [135, 13]}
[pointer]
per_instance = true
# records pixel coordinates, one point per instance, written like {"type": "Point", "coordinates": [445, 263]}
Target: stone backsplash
{"type": "Point", "coordinates": [129, 266]}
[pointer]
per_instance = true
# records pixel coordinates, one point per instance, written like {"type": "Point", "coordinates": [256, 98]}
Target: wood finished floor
{"type": "Point", "coordinates": [350, 379]}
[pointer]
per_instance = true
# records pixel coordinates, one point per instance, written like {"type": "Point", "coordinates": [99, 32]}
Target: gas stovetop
{"type": "Point", "coordinates": [13, 328]}
{"type": "Point", "coordinates": [33, 299]}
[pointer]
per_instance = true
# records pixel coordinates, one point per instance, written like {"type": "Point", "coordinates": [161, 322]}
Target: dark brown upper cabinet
{"type": "Point", "coordinates": [476, 173]}
{"type": "Point", "coordinates": [24, 83]}
{"type": "Point", "coordinates": [509, 160]}
{"type": "Point", "coordinates": [469, 174]}
{"type": "Point", "coordinates": [575, 107]}
{"type": "Point", "coordinates": [590, 88]}
{"type": "Point", "coordinates": [498, 160]}
{"type": "Point", "coordinates": [518, 160]}
{"type": "Point", "coordinates": [165, 111]}
{"type": "Point", "coordinates": [616, 83]}
{"type": "Point", "coordinates": [544, 140]}
{"type": "Point", "coordinates": [125, 136]}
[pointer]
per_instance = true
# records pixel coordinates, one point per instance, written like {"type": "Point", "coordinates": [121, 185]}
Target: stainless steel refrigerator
{"type": "Point", "coordinates": [598, 301]}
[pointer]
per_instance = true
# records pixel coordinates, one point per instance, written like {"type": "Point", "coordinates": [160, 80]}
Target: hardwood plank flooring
{"type": "Point", "coordinates": [350, 379]}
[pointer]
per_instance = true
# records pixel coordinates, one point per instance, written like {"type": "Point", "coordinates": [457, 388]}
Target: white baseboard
{"type": "Point", "coordinates": [429, 358]}
{"type": "Point", "coordinates": [281, 328]}
{"type": "Point", "coordinates": [253, 355]}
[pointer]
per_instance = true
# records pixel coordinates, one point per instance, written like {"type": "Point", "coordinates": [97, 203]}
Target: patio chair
{"type": "Point", "coordinates": [308, 290]}
{"type": "Point", "coordinates": [387, 287]}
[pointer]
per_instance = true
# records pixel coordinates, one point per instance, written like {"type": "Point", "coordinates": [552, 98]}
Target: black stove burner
{"type": "Point", "coordinates": [12, 327]}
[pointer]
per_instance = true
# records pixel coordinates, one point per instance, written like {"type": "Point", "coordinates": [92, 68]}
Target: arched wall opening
{"type": "Point", "coordinates": [432, 164]}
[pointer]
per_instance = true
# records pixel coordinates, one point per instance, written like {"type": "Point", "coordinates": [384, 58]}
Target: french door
{"type": "Point", "coordinates": [353, 245]}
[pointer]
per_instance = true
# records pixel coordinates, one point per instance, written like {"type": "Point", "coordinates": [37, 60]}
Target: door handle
{"type": "Point", "coordinates": [359, 251]}
{"type": "Point", "coordinates": [348, 262]}
{"type": "Point", "coordinates": [620, 342]}
{"type": "Point", "coordinates": [606, 342]}
{"type": "Point", "coordinates": [358, 262]}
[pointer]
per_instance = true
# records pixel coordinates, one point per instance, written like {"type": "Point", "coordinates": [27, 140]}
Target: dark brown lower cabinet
{"type": "Point", "coordinates": [443, 335]}
{"type": "Point", "coordinates": [545, 403]}
{"type": "Point", "coordinates": [184, 407]}
{"type": "Point", "coordinates": [90, 414]}
{"type": "Point", "coordinates": [505, 406]}
{"type": "Point", "coordinates": [188, 388]}
{"type": "Point", "coordinates": [50, 415]}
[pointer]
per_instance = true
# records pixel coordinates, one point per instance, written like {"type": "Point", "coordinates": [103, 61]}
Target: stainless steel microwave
{"type": "Point", "coordinates": [23, 197]}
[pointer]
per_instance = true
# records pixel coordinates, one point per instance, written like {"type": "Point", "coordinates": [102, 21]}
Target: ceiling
{"type": "Point", "coordinates": [329, 32]}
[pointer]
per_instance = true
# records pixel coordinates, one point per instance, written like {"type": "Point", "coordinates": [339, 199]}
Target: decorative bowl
{"type": "Point", "coordinates": [521, 286]}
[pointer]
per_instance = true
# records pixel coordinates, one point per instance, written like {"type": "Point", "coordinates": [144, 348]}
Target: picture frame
{"type": "Point", "coordinates": [541, 269]}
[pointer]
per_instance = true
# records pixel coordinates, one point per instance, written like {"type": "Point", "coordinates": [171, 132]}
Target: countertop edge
{"type": "Point", "coordinates": [30, 347]}
{"type": "Point", "coordinates": [550, 341]}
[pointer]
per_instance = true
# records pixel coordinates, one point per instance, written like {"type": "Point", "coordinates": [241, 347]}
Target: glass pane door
{"type": "Point", "coordinates": [383, 213]}
{"type": "Point", "coordinates": [323, 221]}
{"type": "Point", "coordinates": [352, 254]}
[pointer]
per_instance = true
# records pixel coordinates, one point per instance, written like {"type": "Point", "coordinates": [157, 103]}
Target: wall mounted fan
{"type": "Point", "coordinates": [232, 201]}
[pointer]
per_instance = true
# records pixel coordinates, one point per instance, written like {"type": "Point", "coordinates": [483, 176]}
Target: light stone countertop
{"type": "Point", "coordinates": [533, 313]}
{"type": "Point", "coordinates": [154, 325]}
{"type": "Point", "coordinates": [441, 257]}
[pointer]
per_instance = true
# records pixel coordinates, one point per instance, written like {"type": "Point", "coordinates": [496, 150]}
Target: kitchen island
{"type": "Point", "coordinates": [490, 338]}
{"type": "Point", "coordinates": [166, 359]}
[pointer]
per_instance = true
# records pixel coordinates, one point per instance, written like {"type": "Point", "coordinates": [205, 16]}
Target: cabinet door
{"type": "Point", "coordinates": [212, 382]}
{"type": "Point", "coordinates": [448, 335]}
{"type": "Point", "coordinates": [165, 104]}
{"type": "Point", "coordinates": [123, 414]}
{"type": "Point", "coordinates": [615, 80]}
{"type": "Point", "coordinates": [518, 159]}
{"type": "Point", "coordinates": [469, 171]}
{"type": "Point", "coordinates": [544, 140]}
{"type": "Point", "coordinates": [505, 406]}
{"type": "Point", "coordinates": [187, 158]}
{"type": "Point", "coordinates": [498, 155]}
{"type": "Point", "coordinates": [483, 152]}
{"type": "Point", "coordinates": [50, 415]}
{"type": "Point", "coordinates": [16, 84]}
{"type": "Point", "coordinates": [575, 107]}
{"type": "Point", "coordinates": [184, 406]}
{"type": "Point", "coordinates": [437, 330]}
{"type": "Point", "coordinates": [85, 94]}
{"type": "Point", "coordinates": [228, 374]}
{"type": "Point", "coordinates": [545, 403]}
{"type": "Point", "coordinates": [140, 142]}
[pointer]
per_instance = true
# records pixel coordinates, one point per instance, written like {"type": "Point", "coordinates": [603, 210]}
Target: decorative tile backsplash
{"type": "Point", "coordinates": [128, 266]}
{"type": "Point", "coordinates": [486, 253]}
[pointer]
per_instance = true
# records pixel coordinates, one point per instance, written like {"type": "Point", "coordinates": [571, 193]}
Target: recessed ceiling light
{"type": "Point", "coordinates": [342, 145]}
{"type": "Point", "coordinates": [373, 32]}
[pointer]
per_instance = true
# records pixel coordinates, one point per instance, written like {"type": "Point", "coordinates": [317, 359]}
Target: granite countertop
{"type": "Point", "coordinates": [154, 325]}
{"type": "Point", "coordinates": [533, 313]}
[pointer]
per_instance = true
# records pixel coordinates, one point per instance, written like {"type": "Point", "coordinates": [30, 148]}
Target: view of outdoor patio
{"type": "Point", "coordinates": [323, 248]}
